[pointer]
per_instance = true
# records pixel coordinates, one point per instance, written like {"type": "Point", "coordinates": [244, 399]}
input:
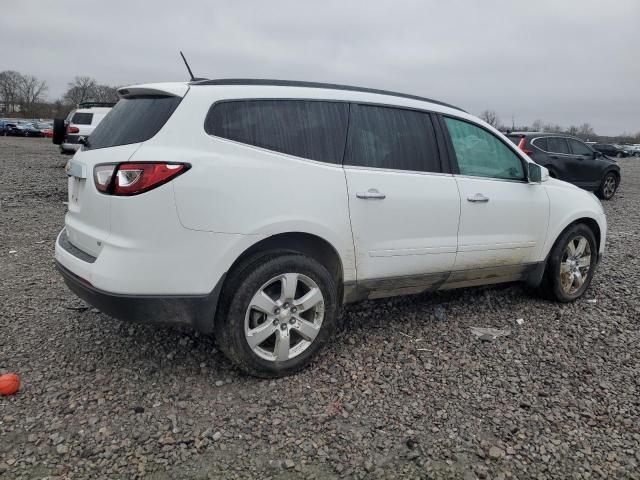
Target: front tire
{"type": "Point", "coordinates": [608, 187]}
{"type": "Point", "coordinates": [570, 265]}
{"type": "Point", "coordinates": [276, 313]}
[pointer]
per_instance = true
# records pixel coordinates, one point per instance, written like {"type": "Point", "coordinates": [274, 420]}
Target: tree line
{"type": "Point", "coordinates": [584, 131]}
{"type": "Point", "coordinates": [25, 96]}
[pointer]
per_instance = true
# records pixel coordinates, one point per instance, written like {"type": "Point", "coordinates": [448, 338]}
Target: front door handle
{"type": "Point", "coordinates": [478, 198]}
{"type": "Point", "coordinates": [371, 194]}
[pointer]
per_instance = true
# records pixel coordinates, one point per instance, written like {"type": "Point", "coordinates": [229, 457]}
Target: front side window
{"type": "Point", "coordinates": [579, 148]}
{"type": "Point", "coordinates": [304, 128]}
{"type": "Point", "coordinates": [393, 138]}
{"type": "Point", "coordinates": [482, 154]}
{"type": "Point", "coordinates": [558, 145]}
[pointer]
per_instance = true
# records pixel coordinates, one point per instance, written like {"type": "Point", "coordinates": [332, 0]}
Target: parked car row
{"type": "Point", "coordinates": [22, 128]}
{"type": "Point", "coordinates": [617, 150]}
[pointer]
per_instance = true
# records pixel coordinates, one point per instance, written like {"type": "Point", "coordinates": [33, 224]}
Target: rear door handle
{"type": "Point", "coordinates": [478, 198]}
{"type": "Point", "coordinates": [371, 194]}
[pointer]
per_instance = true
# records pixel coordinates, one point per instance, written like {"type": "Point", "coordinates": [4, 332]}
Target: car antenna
{"type": "Point", "coordinates": [193, 79]}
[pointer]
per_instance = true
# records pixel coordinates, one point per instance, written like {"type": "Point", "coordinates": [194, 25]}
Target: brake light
{"type": "Point", "coordinates": [73, 129]}
{"type": "Point", "coordinates": [126, 179]}
{"type": "Point", "coordinates": [523, 142]}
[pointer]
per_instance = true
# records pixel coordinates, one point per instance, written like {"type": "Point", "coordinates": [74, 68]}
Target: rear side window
{"type": "Point", "coordinates": [557, 145]}
{"type": "Point", "coordinates": [386, 137]}
{"type": "Point", "coordinates": [481, 154]}
{"type": "Point", "coordinates": [515, 139]}
{"type": "Point", "coordinates": [579, 148]}
{"type": "Point", "coordinates": [541, 143]}
{"type": "Point", "coordinates": [304, 128]}
{"type": "Point", "coordinates": [133, 120]}
{"type": "Point", "coordinates": [82, 118]}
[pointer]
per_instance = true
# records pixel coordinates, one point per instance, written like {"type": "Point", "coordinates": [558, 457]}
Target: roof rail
{"type": "Point", "coordinates": [331, 86]}
{"type": "Point", "coordinates": [95, 104]}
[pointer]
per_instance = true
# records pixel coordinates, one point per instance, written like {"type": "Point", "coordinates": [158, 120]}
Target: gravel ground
{"type": "Point", "coordinates": [405, 389]}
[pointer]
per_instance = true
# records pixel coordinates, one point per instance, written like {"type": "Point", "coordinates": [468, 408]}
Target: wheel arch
{"type": "Point", "coordinates": [308, 244]}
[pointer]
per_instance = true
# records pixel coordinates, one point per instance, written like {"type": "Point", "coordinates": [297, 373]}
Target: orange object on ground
{"type": "Point", "coordinates": [9, 384]}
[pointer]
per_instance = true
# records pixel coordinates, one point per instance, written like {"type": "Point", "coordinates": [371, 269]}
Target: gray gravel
{"type": "Point", "coordinates": [405, 389]}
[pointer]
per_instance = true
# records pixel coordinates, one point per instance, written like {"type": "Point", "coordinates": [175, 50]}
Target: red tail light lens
{"type": "Point", "coordinates": [102, 175]}
{"type": "Point", "coordinates": [523, 142]}
{"type": "Point", "coordinates": [72, 129]}
{"type": "Point", "coordinates": [126, 179]}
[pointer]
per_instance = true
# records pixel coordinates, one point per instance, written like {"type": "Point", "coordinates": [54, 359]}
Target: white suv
{"type": "Point", "coordinates": [81, 123]}
{"type": "Point", "coordinates": [254, 209]}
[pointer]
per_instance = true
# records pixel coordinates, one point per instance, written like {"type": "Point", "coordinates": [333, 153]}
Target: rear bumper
{"type": "Point", "coordinates": [197, 311]}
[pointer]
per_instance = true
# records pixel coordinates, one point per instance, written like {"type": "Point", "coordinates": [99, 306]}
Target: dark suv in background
{"type": "Point", "coordinates": [610, 150]}
{"type": "Point", "coordinates": [570, 159]}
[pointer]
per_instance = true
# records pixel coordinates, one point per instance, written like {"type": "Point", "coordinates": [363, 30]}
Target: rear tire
{"type": "Point", "coordinates": [608, 186]}
{"type": "Point", "coordinates": [570, 265]}
{"type": "Point", "coordinates": [264, 325]}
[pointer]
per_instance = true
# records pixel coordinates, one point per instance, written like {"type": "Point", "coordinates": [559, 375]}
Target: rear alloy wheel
{"type": "Point", "coordinates": [571, 264]}
{"type": "Point", "coordinates": [608, 186]}
{"type": "Point", "coordinates": [276, 312]}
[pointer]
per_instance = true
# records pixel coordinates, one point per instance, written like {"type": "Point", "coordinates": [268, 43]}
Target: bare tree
{"type": "Point", "coordinates": [491, 118]}
{"type": "Point", "coordinates": [105, 93]}
{"type": "Point", "coordinates": [9, 90]}
{"type": "Point", "coordinates": [80, 90]}
{"type": "Point", "coordinates": [585, 131]}
{"type": "Point", "coordinates": [30, 93]}
{"type": "Point", "coordinates": [537, 126]}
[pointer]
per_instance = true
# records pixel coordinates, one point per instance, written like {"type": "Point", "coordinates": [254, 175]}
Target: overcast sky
{"type": "Point", "coordinates": [562, 61]}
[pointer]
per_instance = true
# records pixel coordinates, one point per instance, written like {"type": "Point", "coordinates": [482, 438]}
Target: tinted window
{"type": "Point", "coordinates": [482, 154]}
{"type": "Point", "coordinates": [557, 145]}
{"type": "Point", "coordinates": [304, 128]}
{"type": "Point", "coordinates": [541, 143]}
{"type": "Point", "coordinates": [133, 120]}
{"type": "Point", "coordinates": [579, 148]}
{"type": "Point", "coordinates": [515, 139]}
{"type": "Point", "coordinates": [384, 137]}
{"type": "Point", "coordinates": [82, 118]}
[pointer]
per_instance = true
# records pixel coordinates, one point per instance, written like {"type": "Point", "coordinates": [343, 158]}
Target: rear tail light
{"type": "Point", "coordinates": [72, 129]}
{"type": "Point", "coordinates": [127, 179]}
{"type": "Point", "coordinates": [523, 142]}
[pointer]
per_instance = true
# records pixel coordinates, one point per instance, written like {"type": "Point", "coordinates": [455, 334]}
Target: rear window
{"type": "Point", "coordinates": [541, 143]}
{"type": "Point", "coordinates": [82, 118]}
{"type": "Point", "coordinates": [133, 120]}
{"type": "Point", "coordinates": [557, 145]}
{"type": "Point", "coordinates": [304, 128]}
{"type": "Point", "coordinates": [393, 138]}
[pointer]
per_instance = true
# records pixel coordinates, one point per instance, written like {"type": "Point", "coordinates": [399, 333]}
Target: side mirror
{"type": "Point", "coordinates": [537, 174]}
{"type": "Point", "coordinates": [597, 154]}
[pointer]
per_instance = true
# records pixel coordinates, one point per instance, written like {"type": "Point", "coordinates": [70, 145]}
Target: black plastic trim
{"type": "Point", "coordinates": [328, 86]}
{"type": "Point", "coordinates": [196, 311]}
{"type": "Point", "coordinates": [66, 245]}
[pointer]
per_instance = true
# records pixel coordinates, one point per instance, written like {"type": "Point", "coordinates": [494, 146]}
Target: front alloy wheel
{"type": "Point", "coordinates": [571, 264]}
{"type": "Point", "coordinates": [608, 187]}
{"type": "Point", "coordinates": [575, 264]}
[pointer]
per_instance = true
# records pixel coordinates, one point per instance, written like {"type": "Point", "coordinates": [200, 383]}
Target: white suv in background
{"type": "Point", "coordinates": [81, 123]}
{"type": "Point", "coordinates": [253, 209]}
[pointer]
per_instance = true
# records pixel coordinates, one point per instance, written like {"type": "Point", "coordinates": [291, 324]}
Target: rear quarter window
{"type": "Point", "coordinates": [310, 129]}
{"type": "Point", "coordinates": [133, 120]}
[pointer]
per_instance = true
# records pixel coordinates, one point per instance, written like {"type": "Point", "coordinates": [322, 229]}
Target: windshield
{"type": "Point", "coordinates": [133, 120]}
